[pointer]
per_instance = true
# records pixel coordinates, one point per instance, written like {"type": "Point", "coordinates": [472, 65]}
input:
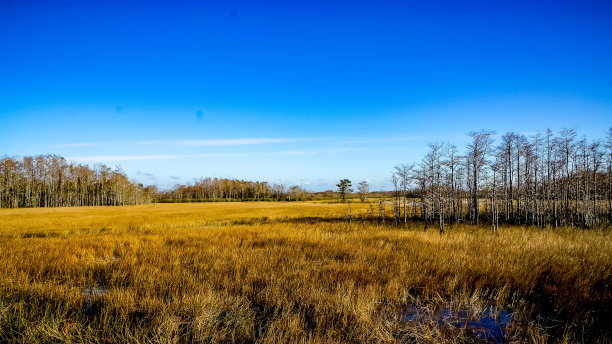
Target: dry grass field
{"type": "Point", "coordinates": [293, 272]}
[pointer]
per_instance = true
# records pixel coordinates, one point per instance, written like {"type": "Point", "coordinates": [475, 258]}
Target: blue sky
{"type": "Point", "coordinates": [303, 92]}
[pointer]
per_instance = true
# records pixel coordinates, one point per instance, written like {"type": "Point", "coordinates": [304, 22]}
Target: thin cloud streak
{"type": "Point", "coordinates": [236, 142]}
{"type": "Point", "coordinates": [194, 142]}
{"type": "Point", "coordinates": [84, 144]}
{"type": "Point", "coordinates": [103, 158]}
{"type": "Point", "coordinates": [107, 158]}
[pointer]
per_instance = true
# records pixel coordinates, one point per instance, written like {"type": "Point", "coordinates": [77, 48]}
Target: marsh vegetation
{"type": "Point", "coordinates": [274, 272]}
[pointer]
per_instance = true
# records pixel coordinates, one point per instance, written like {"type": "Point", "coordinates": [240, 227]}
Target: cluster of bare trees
{"type": "Point", "coordinates": [223, 188]}
{"type": "Point", "coordinates": [540, 180]}
{"type": "Point", "coordinates": [50, 181]}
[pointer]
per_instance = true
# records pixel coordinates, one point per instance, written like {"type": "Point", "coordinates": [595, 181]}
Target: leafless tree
{"type": "Point", "coordinates": [364, 189]}
{"type": "Point", "coordinates": [403, 173]}
{"type": "Point", "coordinates": [477, 156]}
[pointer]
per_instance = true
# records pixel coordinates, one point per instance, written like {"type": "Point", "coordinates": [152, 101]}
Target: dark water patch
{"type": "Point", "coordinates": [489, 325]}
{"type": "Point", "coordinates": [94, 291]}
{"type": "Point", "coordinates": [92, 294]}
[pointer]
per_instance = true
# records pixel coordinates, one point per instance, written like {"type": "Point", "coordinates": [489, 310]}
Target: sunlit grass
{"type": "Point", "coordinates": [288, 272]}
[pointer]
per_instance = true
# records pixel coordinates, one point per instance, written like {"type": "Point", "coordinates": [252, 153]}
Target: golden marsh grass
{"type": "Point", "coordinates": [290, 272]}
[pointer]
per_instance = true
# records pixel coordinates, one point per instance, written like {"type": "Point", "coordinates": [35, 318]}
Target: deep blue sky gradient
{"type": "Point", "coordinates": [342, 89]}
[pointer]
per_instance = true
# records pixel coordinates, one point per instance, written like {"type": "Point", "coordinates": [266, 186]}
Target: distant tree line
{"type": "Point", "coordinates": [234, 189]}
{"type": "Point", "coordinates": [50, 181]}
{"type": "Point", "coordinates": [539, 180]}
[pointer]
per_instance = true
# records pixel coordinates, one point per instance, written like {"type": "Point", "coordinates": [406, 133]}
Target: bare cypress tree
{"type": "Point", "coordinates": [396, 195]}
{"type": "Point", "coordinates": [567, 145]}
{"type": "Point", "coordinates": [478, 153]}
{"type": "Point", "coordinates": [403, 173]}
{"type": "Point", "coordinates": [597, 160]}
{"type": "Point", "coordinates": [364, 188]}
{"type": "Point", "coordinates": [452, 162]}
{"type": "Point", "coordinates": [609, 173]}
{"type": "Point", "coordinates": [381, 211]}
{"type": "Point", "coordinates": [506, 149]}
{"type": "Point", "coordinates": [536, 189]}
{"type": "Point", "coordinates": [496, 166]}
{"type": "Point", "coordinates": [520, 148]}
{"type": "Point", "coordinates": [549, 184]}
{"type": "Point", "coordinates": [431, 170]}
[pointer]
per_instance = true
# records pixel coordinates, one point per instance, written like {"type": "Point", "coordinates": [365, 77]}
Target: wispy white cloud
{"type": "Point", "coordinates": [239, 141]}
{"type": "Point", "coordinates": [104, 158]}
{"type": "Point", "coordinates": [84, 144]}
{"type": "Point", "coordinates": [113, 158]}
{"type": "Point", "coordinates": [194, 142]}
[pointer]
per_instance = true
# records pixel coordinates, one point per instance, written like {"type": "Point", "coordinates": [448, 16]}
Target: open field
{"type": "Point", "coordinates": [293, 272]}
